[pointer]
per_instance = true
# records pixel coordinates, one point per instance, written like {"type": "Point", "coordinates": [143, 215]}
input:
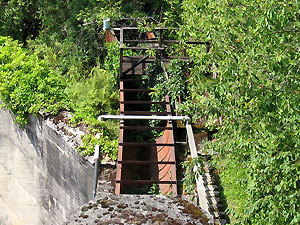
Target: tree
{"type": "Point", "coordinates": [255, 53]}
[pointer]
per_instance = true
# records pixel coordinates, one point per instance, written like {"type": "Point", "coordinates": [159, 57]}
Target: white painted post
{"type": "Point", "coordinates": [203, 202]}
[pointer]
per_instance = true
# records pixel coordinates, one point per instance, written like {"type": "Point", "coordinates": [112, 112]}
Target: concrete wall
{"type": "Point", "coordinates": [42, 179]}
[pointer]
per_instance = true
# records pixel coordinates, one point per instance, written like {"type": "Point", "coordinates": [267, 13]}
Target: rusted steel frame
{"type": "Point", "coordinates": [167, 153]}
{"type": "Point", "coordinates": [122, 97]}
{"type": "Point", "coordinates": [120, 158]}
{"type": "Point", "coordinates": [120, 147]}
{"type": "Point", "coordinates": [167, 98]}
{"type": "Point", "coordinates": [132, 76]}
{"type": "Point", "coordinates": [146, 182]}
{"type": "Point", "coordinates": [110, 36]}
{"type": "Point", "coordinates": [135, 65]}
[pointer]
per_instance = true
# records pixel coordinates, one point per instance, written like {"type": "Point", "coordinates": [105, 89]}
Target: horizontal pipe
{"type": "Point", "coordinates": [146, 181]}
{"type": "Point", "coordinates": [138, 117]}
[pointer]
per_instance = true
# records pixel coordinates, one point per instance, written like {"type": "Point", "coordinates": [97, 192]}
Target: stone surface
{"type": "Point", "coordinates": [138, 209]}
{"type": "Point", "coordinates": [42, 177]}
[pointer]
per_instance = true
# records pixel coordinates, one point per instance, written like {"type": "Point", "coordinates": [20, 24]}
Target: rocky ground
{"type": "Point", "coordinates": [108, 208]}
{"type": "Point", "coordinates": [138, 209]}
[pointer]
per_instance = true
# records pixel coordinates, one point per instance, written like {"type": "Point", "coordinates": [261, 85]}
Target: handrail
{"type": "Point", "coordinates": [141, 117]}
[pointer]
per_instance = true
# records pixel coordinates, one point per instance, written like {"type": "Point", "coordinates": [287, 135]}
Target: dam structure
{"type": "Point", "coordinates": [42, 177]}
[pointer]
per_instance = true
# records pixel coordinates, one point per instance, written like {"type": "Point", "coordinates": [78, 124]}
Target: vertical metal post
{"type": "Point", "coordinates": [96, 158]}
{"type": "Point", "coordinates": [121, 51]}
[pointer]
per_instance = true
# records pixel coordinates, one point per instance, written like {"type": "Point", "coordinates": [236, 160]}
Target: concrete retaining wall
{"type": "Point", "coordinates": [42, 178]}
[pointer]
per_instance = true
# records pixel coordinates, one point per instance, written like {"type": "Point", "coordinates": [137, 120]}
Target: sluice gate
{"type": "Point", "coordinates": [146, 162]}
{"type": "Point", "coordinates": [143, 163]}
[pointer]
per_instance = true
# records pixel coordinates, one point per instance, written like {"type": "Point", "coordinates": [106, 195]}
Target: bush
{"type": "Point", "coordinates": [255, 54]}
{"type": "Point", "coordinates": [94, 96]}
{"type": "Point", "coordinates": [27, 83]}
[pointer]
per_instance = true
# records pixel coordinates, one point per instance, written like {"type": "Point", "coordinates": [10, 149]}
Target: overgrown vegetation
{"type": "Point", "coordinates": [27, 83]}
{"type": "Point", "coordinates": [63, 64]}
{"type": "Point", "coordinates": [175, 85]}
{"type": "Point", "coordinates": [254, 56]}
{"type": "Point", "coordinates": [255, 53]}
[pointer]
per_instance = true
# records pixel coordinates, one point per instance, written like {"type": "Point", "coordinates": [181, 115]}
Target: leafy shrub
{"type": "Point", "coordinates": [94, 96]}
{"type": "Point", "coordinates": [108, 146]}
{"type": "Point", "coordinates": [18, 19]}
{"type": "Point", "coordinates": [112, 62]}
{"type": "Point", "coordinates": [175, 86]}
{"type": "Point", "coordinates": [27, 83]}
{"type": "Point", "coordinates": [255, 55]}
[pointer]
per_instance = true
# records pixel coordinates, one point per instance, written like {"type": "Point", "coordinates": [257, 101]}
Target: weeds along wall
{"type": "Point", "coordinates": [43, 178]}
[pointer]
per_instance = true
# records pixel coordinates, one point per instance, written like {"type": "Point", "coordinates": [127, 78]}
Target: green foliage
{"type": "Point", "coordinates": [255, 54]}
{"type": "Point", "coordinates": [28, 84]}
{"type": "Point", "coordinates": [112, 62]}
{"type": "Point", "coordinates": [60, 69]}
{"type": "Point", "coordinates": [108, 146]}
{"type": "Point", "coordinates": [17, 19]}
{"type": "Point", "coordinates": [176, 84]}
{"type": "Point", "coordinates": [63, 56]}
{"type": "Point", "coordinates": [189, 180]}
{"type": "Point", "coordinates": [93, 96]}
{"type": "Point", "coordinates": [154, 190]}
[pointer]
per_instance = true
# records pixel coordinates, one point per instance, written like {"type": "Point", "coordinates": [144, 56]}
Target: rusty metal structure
{"type": "Point", "coordinates": [143, 162]}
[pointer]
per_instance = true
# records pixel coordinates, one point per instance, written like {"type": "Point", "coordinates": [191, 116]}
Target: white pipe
{"type": "Point", "coordinates": [138, 117]}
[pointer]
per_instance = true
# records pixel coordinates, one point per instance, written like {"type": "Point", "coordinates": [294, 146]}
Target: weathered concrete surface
{"type": "Point", "coordinates": [138, 209]}
{"type": "Point", "coordinates": [42, 178]}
